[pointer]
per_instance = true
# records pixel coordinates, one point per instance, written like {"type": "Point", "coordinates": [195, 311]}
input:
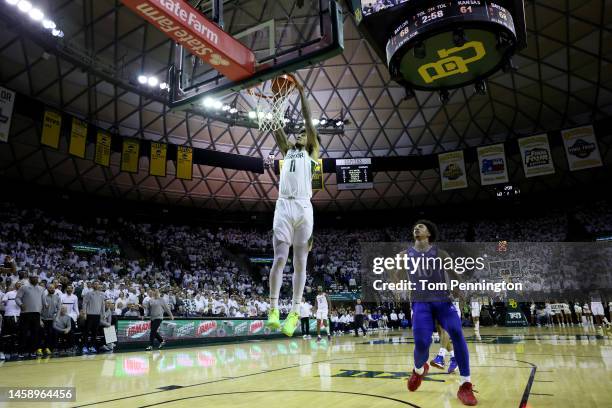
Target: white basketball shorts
{"type": "Point", "coordinates": [322, 314]}
{"type": "Point", "coordinates": [597, 309]}
{"type": "Point", "coordinates": [293, 221]}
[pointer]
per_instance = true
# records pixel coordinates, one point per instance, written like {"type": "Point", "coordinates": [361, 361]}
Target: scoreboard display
{"type": "Point", "coordinates": [354, 174]}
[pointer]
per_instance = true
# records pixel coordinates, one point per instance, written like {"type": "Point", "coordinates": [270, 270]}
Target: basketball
{"type": "Point", "coordinates": [282, 85]}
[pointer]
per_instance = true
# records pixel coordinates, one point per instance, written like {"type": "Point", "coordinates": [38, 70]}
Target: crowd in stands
{"type": "Point", "coordinates": [199, 271]}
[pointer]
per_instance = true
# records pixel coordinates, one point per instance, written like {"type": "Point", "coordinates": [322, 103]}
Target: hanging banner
{"type": "Point", "coordinates": [130, 155]}
{"type": "Point", "coordinates": [184, 162]}
{"type": "Point", "coordinates": [7, 101]}
{"type": "Point", "coordinates": [78, 138]}
{"type": "Point", "coordinates": [536, 155]}
{"type": "Point", "coordinates": [52, 125]}
{"type": "Point", "coordinates": [581, 148]}
{"type": "Point", "coordinates": [492, 164]}
{"type": "Point", "coordinates": [452, 170]}
{"type": "Point", "coordinates": [103, 149]}
{"type": "Point", "coordinates": [157, 166]}
{"type": "Point", "coordinates": [317, 174]}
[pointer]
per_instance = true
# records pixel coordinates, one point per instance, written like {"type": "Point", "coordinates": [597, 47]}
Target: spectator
{"type": "Point", "coordinates": [50, 310]}
{"type": "Point", "coordinates": [30, 299]}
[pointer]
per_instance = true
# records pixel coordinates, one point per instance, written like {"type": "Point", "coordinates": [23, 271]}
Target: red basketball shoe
{"type": "Point", "coordinates": [415, 379]}
{"type": "Point", "coordinates": [466, 394]}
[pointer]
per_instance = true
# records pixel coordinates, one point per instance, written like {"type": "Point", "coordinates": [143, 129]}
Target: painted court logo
{"type": "Point", "coordinates": [581, 148]}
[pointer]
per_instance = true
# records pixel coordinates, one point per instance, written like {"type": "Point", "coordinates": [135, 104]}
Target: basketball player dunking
{"type": "Point", "coordinates": [429, 307]}
{"type": "Point", "coordinates": [293, 218]}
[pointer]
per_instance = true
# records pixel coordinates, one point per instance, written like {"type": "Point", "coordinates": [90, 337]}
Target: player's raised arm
{"type": "Point", "coordinates": [312, 141]}
{"type": "Point", "coordinates": [281, 140]}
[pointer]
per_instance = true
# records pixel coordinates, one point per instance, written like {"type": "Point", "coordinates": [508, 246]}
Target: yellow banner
{"type": "Point", "coordinates": [157, 166]}
{"type": "Point", "coordinates": [52, 124]}
{"type": "Point", "coordinates": [184, 162]}
{"type": "Point", "coordinates": [130, 155]}
{"type": "Point", "coordinates": [78, 138]}
{"type": "Point", "coordinates": [103, 149]}
{"type": "Point", "coordinates": [317, 174]}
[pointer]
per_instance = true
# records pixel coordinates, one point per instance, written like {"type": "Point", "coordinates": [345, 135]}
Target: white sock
{"type": "Point", "coordinates": [465, 379]}
{"type": "Point", "coordinates": [477, 326]}
{"type": "Point", "coordinates": [442, 352]}
{"type": "Point", "coordinates": [452, 354]}
{"type": "Point", "coordinates": [419, 371]}
{"type": "Point", "coordinates": [300, 255]}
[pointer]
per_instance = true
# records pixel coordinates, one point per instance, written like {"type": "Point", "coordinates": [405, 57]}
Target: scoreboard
{"type": "Point", "coordinates": [354, 174]}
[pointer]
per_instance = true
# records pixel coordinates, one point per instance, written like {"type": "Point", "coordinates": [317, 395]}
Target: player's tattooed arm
{"type": "Point", "coordinates": [281, 140]}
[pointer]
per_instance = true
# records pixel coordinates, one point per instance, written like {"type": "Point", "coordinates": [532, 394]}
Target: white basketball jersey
{"type": "Point", "coordinates": [296, 175]}
{"type": "Point", "coordinates": [321, 302]}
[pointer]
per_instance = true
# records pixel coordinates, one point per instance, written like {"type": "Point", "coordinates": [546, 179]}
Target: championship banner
{"type": "Point", "coordinates": [130, 155]}
{"type": "Point", "coordinates": [103, 149]}
{"type": "Point", "coordinates": [492, 164]}
{"type": "Point", "coordinates": [452, 170]}
{"type": "Point", "coordinates": [581, 148]}
{"type": "Point", "coordinates": [7, 101]}
{"type": "Point", "coordinates": [157, 165]}
{"type": "Point", "coordinates": [52, 125]}
{"type": "Point", "coordinates": [184, 163]}
{"type": "Point", "coordinates": [317, 174]}
{"type": "Point", "coordinates": [78, 138]}
{"type": "Point", "coordinates": [536, 155]}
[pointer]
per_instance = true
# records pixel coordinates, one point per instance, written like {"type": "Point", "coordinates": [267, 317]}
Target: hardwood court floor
{"type": "Point", "coordinates": [558, 367]}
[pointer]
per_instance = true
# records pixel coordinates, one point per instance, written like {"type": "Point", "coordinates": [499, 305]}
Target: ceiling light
{"type": "Point", "coordinates": [339, 123]}
{"type": "Point", "coordinates": [315, 122]}
{"type": "Point", "coordinates": [24, 6]}
{"type": "Point", "coordinates": [36, 14]}
{"type": "Point", "coordinates": [217, 105]}
{"type": "Point", "coordinates": [48, 24]}
{"type": "Point", "coordinates": [233, 110]}
{"type": "Point", "coordinates": [323, 122]}
{"type": "Point", "coordinates": [142, 79]}
{"type": "Point", "coordinates": [12, 2]}
{"type": "Point", "coordinates": [252, 115]}
{"type": "Point", "coordinates": [208, 102]}
{"type": "Point", "coordinates": [57, 33]}
{"type": "Point", "coordinates": [153, 81]}
{"type": "Point", "coordinates": [225, 108]}
{"type": "Point", "coordinates": [163, 86]}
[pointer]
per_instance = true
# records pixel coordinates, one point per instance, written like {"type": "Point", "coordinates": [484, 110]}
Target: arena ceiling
{"type": "Point", "coordinates": [564, 78]}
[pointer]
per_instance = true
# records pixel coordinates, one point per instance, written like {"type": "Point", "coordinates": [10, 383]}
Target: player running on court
{"type": "Point", "coordinates": [431, 306]}
{"type": "Point", "coordinates": [322, 314]}
{"type": "Point", "coordinates": [293, 218]}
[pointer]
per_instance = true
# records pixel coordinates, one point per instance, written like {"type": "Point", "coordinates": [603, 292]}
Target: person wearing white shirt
{"type": "Point", "coordinates": [71, 303]}
{"type": "Point", "coordinates": [394, 321]}
{"type": "Point", "coordinates": [305, 313]}
{"type": "Point", "coordinates": [10, 323]}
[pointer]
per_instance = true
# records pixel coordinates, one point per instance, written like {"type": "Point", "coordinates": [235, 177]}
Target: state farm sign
{"type": "Point", "coordinates": [185, 25]}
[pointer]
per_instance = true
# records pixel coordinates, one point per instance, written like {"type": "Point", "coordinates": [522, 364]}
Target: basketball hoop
{"type": "Point", "coordinates": [272, 99]}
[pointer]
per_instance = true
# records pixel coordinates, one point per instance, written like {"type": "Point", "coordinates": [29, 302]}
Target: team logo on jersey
{"type": "Point", "coordinates": [581, 148]}
{"type": "Point", "coordinates": [452, 171]}
{"type": "Point", "coordinates": [536, 157]}
{"type": "Point", "coordinates": [493, 166]}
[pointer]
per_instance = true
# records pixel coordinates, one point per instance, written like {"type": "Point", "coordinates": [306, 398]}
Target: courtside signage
{"type": "Point", "coordinates": [185, 25]}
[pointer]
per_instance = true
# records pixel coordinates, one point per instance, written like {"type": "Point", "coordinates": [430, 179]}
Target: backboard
{"type": "Point", "coordinates": [283, 37]}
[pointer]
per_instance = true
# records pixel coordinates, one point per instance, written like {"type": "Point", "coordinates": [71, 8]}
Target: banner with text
{"type": "Point", "coordinates": [130, 155]}
{"type": "Point", "coordinates": [7, 101]}
{"type": "Point", "coordinates": [157, 166]}
{"type": "Point", "coordinates": [581, 148]}
{"type": "Point", "coordinates": [103, 149]}
{"type": "Point", "coordinates": [52, 125]}
{"type": "Point", "coordinates": [536, 155]}
{"type": "Point", "coordinates": [78, 138]}
{"type": "Point", "coordinates": [184, 162]}
{"type": "Point", "coordinates": [492, 164]}
{"type": "Point", "coordinates": [452, 170]}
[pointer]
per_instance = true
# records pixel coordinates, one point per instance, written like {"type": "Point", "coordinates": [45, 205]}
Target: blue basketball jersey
{"type": "Point", "coordinates": [425, 266]}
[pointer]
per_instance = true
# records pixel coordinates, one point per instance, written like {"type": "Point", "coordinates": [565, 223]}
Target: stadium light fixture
{"type": "Point", "coordinates": [12, 2]}
{"type": "Point", "coordinates": [24, 6]}
{"type": "Point", "coordinates": [36, 14]}
{"type": "Point", "coordinates": [152, 81]}
{"type": "Point", "coordinates": [49, 24]}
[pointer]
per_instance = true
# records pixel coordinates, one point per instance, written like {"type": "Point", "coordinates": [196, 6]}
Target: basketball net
{"type": "Point", "coordinates": [272, 99]}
